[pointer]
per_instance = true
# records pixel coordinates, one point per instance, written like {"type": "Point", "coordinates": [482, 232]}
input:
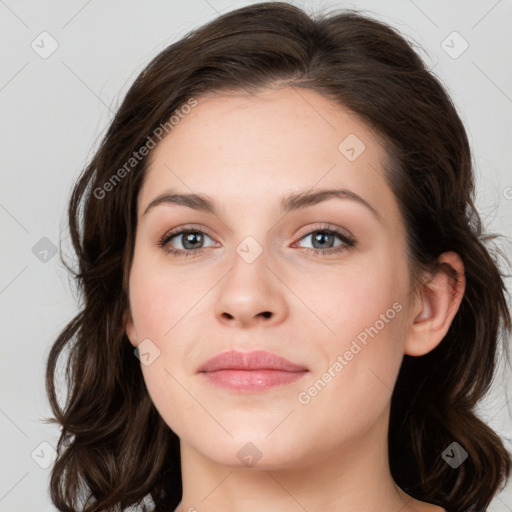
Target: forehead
{"type": "Point", "coordinates": [240, 146]}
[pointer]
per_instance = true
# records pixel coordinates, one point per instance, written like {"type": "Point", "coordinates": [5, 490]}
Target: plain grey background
{"type": "Point", "coordinates": [66, 65]}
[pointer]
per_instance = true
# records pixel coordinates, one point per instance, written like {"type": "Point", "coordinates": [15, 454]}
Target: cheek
{"type": "Point", "coordinates": [160, 303]}
{"type": "Point", "coordinates": [160, 297]}
{"type": "Point", "coordinates": [363, 296]}
{"type": "Point", "coordinates": [365, 310]}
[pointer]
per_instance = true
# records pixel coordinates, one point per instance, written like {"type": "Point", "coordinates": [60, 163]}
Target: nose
{"type": "Point", "coordinates": [250, 295]}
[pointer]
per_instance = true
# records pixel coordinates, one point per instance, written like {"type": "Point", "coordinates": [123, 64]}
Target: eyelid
{"type": "Point", "coordinates": [325, 226]}
{"type": "Point", "coordinates": [187, 227]}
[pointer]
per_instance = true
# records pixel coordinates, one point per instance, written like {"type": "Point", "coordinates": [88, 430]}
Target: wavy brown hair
{"type": "Point", "coordinates": [115, 449]}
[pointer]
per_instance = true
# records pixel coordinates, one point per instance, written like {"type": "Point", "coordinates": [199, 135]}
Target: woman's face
{"type": "Point", "coordinates": [322, 283]}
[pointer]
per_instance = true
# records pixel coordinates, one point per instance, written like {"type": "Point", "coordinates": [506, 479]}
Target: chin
{"type": "Point", "coordinates": [250, 447]}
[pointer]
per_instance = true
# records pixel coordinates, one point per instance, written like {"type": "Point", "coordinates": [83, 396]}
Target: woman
{"type": "Point", "coordinates": [287, 300]}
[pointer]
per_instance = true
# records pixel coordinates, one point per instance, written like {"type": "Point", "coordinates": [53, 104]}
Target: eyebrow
{"type": "Point", "coordinates": [289, 203]}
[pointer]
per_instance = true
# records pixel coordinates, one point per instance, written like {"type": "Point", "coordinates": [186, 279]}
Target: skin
{"type": "Point", "coordinates": [247, 152]}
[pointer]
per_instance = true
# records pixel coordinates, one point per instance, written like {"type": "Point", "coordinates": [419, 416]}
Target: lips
{"type": "Point", "coordinates": [250, 371]}
{"type": "Point", "coordinates": [257, 360]}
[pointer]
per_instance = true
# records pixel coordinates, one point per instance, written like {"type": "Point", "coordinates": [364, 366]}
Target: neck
{"type": "Point", "coordinates": [354, 477]}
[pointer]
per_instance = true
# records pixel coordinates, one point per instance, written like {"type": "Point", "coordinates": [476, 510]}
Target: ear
{"type": "Point", "coordinates": [130, 328]}
{"type": "Point", "coordinates": [435, 305]}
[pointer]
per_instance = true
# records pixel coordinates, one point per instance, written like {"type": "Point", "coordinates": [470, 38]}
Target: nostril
{"type": "Point", "coordinates": [266, 314]}
{"type": "Point", "coordinates": [227, 315]}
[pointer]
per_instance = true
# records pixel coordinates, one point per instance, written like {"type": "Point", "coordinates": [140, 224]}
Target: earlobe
{"type": "Point", "coordinates": [439, 299]}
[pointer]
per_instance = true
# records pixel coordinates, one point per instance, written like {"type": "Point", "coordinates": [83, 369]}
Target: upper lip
{"type": "Point", "coordinates": [256, 360]}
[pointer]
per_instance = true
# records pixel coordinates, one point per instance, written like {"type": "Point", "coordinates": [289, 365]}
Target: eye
{"type": "Point", "coordinates": [184, 242]}
{"type": "Point", "coordinates": [323, 241]}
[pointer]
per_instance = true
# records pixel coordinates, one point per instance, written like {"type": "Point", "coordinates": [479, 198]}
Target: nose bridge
{"type": "Point", "coordinates": [249, 274]}
{"type": "Point", "coordinates": [250, 291]}
{"type": "Point", "coordinates": [250, 250]}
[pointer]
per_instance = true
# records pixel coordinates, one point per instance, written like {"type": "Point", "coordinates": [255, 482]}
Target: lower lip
{"type": "Point", "coordinates": [252, 380]}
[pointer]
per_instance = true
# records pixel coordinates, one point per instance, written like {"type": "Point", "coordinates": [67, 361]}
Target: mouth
{"type": "Point", "coordinates": [250, 371]}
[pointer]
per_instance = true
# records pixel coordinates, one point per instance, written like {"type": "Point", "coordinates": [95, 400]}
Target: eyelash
{"type": "Point", "coordinates": [347, 242]}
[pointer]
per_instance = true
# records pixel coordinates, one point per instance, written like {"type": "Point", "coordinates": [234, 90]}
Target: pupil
{"type": "Point", "coordinates": [321, 237]}
{"type": "Point", "coordinates": [192, 239]}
